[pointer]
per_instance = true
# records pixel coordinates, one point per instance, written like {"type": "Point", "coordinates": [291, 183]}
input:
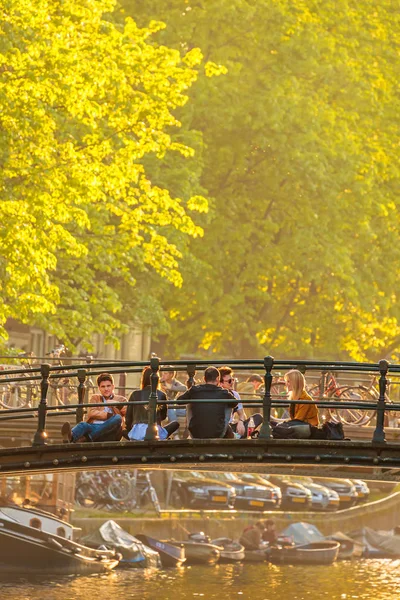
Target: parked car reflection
{"type": "Point", "coordinates": [294, 495]}
{"type": "Point", "coordinates": [249, 496]}
{"type": "Point", "coordinates": [344, 487]}
{"type": "Point", "coordinates": [190, 489]}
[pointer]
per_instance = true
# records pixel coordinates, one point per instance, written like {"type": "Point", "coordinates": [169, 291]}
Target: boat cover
{"type": "Point", "coordinates": [110, 534]}
{"type": "Point", "coordinates": [378, 540]}
{"type": "Point", "coordinates": [303, 533]}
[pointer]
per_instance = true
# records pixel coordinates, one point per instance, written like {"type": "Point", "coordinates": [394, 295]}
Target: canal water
{"type": "Point", "coordinates": [365, 580]}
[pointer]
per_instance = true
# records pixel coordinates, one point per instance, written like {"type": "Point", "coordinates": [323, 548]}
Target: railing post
{"type": "Point", "coordinates": [81, 394]}
{"type": "Point", "coordinates": [265, 431]}
{"type": "Point", "coordinates": [191, 371]}
{"type": "Point", "coordinates": [152, 429]}
{"type": "Point", "coordinates": [379, 433]}
{"type": "Point", "coordinates": [40, 437]}
{"type": "Point", "coordinates": [88, 360]}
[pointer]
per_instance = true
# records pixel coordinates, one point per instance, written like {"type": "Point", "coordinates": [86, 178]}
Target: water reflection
{"type": "Point", "coordinates": [363, 580]}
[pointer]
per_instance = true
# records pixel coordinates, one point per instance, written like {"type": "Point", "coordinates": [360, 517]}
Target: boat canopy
{"type": "Point", "coordinates": [303, 533]}
{"type": "Point", "coordinates": [110, 534]}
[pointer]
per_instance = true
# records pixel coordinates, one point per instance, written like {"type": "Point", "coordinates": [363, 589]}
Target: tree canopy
{"type": "Point", "coordinates": [300, 254]}
{"type": "Point", "coordinates": [106, 167]}
{"type": "Point", "coordinates": [84, 98]}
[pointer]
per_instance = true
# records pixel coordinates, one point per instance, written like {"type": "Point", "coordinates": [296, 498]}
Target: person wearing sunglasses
{"type": "Point", "coordinates": [239, 425]}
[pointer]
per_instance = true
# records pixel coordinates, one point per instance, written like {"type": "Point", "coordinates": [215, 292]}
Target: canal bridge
{"type": "Point", "coordinates": [373, 458]}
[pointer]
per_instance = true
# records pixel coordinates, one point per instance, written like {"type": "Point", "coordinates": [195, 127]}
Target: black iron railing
{"type": "Point", "coordinates": [42, 376]}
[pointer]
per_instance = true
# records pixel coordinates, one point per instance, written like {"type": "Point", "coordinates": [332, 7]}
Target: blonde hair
{"type": "Point", "coordinates": [298, 383]}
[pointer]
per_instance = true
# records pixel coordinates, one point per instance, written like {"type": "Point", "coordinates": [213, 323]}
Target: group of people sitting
{"type": "Point", "coordinates": [255, 536]}
{"type": "Point", "coordinates": [220, 415]}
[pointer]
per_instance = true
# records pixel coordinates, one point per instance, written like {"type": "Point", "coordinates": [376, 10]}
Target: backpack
{"type": "Point", "coordinates": [333, 431]}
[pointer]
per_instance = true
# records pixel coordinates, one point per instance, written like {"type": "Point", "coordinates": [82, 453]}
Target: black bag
{"type": "Point", "coordinates": [283, 431]}
{"type": "Point", "coordinates": [289, 430]}
{"type": "Point", "coordinates": [333, 431]}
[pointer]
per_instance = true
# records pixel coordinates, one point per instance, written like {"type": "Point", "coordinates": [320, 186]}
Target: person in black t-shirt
{"type": "Point", "coordinates": [207, 419]}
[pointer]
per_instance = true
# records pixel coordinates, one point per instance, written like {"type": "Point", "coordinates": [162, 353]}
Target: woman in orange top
{"type": "Point", "coordinates": [296, 386]}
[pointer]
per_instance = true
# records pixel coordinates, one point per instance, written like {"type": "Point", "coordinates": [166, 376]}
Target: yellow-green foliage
{"type": "Point", "coordinates": [83, 100]}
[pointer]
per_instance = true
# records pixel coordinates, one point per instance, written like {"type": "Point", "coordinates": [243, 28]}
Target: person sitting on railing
{"type": "Point", "coordinates": [137, 414]}
{"type": "Point", "coordinates": [103, 423]}
{"type": "Point", "coordinates": [207, 419]}
{"type": "Point", "coordinates": [296, 386]}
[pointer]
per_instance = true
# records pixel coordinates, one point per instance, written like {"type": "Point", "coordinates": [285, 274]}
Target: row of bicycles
{"type": "Point", "coordinates": [116, 490]}
{"type": "Point", "coordinates": [25, 394]}
{"type": "Point", "coordinates": [63, 391]}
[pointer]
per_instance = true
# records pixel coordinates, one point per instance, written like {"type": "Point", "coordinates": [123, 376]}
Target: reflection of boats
{"type": "Point", "coordinates": [134, 552]}
{"type": "Point", "coordinates": [28, 548]}
{"type": "Point", "coordinates": [171, 556]}
{"type": "Point", "coordinates": [314, 553]}
{"type": "Point", "coordinates": [230, 551]}
{"type": "Point", "coordinates": [199, 552]}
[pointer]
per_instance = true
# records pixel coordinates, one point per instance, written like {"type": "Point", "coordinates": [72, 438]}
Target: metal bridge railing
{"type": "Point", "coordinates": [45, 373]}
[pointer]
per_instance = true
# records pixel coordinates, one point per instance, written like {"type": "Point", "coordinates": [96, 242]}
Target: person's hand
{"type": "Point", "coordinates": [240, 428]}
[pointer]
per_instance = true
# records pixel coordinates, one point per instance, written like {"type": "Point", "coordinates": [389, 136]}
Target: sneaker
{"type": "Point", "coordinates": [66, 433]}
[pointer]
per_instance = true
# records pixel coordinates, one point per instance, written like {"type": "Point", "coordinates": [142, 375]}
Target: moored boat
{"type": "Point", "coordinates": [171, 556]}
{"type": "Point", "coordinates": [256, 555]}
{"type": "Point", "coordinates": [135, 554]}
{"type": "Point", "coordinates": [314, 553]}
{"type": "Point", "coordinates": [230, 551]}
{"type": "Point", "coordinates": [24, 548]}
{"type": "Point", "coordinates": [198, 552]}
{"type": "Point", "coordinates": [349, 548]}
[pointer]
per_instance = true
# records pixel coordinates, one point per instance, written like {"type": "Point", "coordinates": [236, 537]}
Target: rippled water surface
{"type": "Point", "coordinates": [367, 580]}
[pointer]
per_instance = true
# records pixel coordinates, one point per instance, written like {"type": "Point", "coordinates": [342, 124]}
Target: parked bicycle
{"type": "Point", "coordinates": [116, 490]}
{"type": "Point", "coordinates": [328, 388]}
{"type": "Point", "coordinates": [19, 394]}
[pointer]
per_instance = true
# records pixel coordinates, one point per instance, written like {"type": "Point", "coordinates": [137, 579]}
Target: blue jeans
{"type": "Point", "coordinates": [98, 432]}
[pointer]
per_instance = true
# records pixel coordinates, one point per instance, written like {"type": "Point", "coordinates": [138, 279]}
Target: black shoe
{"type": "Point", "coordinates": [66, 433]}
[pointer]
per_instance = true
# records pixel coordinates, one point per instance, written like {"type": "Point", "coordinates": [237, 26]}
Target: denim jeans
{"type": "Point", "coordinates": [97, 432]}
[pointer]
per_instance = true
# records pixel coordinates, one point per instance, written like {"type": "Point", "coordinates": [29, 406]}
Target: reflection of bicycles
{"type": "Point", "coordinates": [116, 490]}
{"type": "Point", "coordinates": [133, 489]}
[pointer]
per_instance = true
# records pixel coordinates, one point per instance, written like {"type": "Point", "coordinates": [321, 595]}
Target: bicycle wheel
{"type": "Point", "coordinates": [119, 489]}
{"type": "Point", "coordinates": [315, 393]}
{"type": "Point", "coordinates": [13, 396]}
{"type": "Point", "coordinates": [350, 415]}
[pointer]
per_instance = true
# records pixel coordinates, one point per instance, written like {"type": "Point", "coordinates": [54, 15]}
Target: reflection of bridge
{"type": "Point", "coordinates": [375, 459]}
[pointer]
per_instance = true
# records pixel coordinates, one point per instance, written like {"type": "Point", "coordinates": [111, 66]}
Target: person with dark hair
{"type": "Point", "coordinates": [207, 419]}
{"type": "Point", "coordinates": [172, 388]}
{"type": "Point", "coordinates": [137, 415]}
{"type": "Point", "coordinates": [103, 423]}
{"type": "Point", "coordinates": [252, 536]}
{"type": "Point", "coordinates": [269, 533]}
{"type": "Point", "coordinates": [240, 425]}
